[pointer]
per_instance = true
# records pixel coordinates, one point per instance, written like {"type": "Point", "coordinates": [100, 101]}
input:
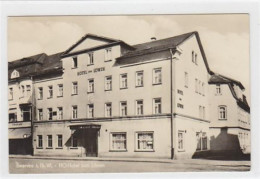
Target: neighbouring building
{"type": "Point", "coordinates": [103, 97]}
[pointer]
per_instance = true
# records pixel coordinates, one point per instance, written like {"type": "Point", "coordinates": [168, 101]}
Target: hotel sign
{"type": "Point", "coordinates": [84, 126]}
{"type": "Point", "coordinates": [95, 70]}
{"type": "Point", "coordinates": [19, 124]}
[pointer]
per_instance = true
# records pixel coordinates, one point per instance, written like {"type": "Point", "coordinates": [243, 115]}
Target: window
{"type": "Point", "coordinates": [202, 139]}
{"type": "Point", "coordinates": [11, 93]}
{"type": "Point", "coordinates": [91, 86]}
{"type": "Point", "coordinates": [50, 92]}
{"type": "Point", "coordinates": [40, 93]}
{"type": "Point", "coordinates": [39, 141]}
{"type": "Point", "coordinates": [203, 89]}
{"type": "Point", "coordinates": [60, 88]}
{"type": "Point", "coordinates": [199, 86]}
{"type": "Point", "coordinates": [180, 140]}
{"type": "Point", "coordinates": [123, 81]}
{"type": "Point", "coordinates": [123, 108]}
{"type": "Point", "coordinates": [198, 137]}
{"type": "Point", "coordinates": [12, 117]}
{"type": "Point", "coordinates": [195, 59]}
{"type": "Point", "coordinates": [26, 113]}
{"type": "Point", "coordinates": [74, 112]}
{"type": "Point", "coordinates": [108, 109]}
{"type": "Point", "coordinates": [139, 79]}
{"type": "Point", "coordinates": [202, 112]}
{"type": "Point", "coordinates": [218, 89]}
{"type": "Point", "coordinates": [222, 112]}
{"type": "Point", "coordinates": [28, 90]}
{"type": "Point", "coordinates": [139, 107]}
{"type": "Point", "coordinates": [49, 114]}
{"type": "Point", "coordinates": [91, 110]}
{"type": "Point", "coordinates": [91, 58]}
{"type": "Point", "coordinates": [118, 141]}
{"type": "Point", "coordinates": [192, 56]}
{"type": "Point", "coordinates": [74, 141]}
{"type": "Point", "coordinates": [22, 88]}
{"type": "Point", "coordinates": [74, 88]}
{"type": "Point", "coordinates": [108, 83]}
{"type": "Point", "coordinates": [49, 138]}
{"type": "Point", "coordinates": [60, 143]}
{"type": "Point", "coordinates": [145, 141]}
{"type": "Point", "coordinates": [60, 113]}
{"type": "Point", "coordinates": [157, 76]}
{"type": "Point", "coordinates": [40, 113]}
{"type": "Point", "coordinates": [186, 79]}
{"type": "Point", "coordinates": [196, 85]}
{"type": "Point", "coordinates": [157, 105]}
{"type": "Point", "coordinates": [108, 54]}
{"type": "Point", "coordinates": [75, 62]}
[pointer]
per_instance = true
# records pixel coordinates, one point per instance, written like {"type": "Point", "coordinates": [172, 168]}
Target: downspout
{"type": "Point", "coordinates": [33, 112]}
{"type": "Point", "coordinates": [172, 105]}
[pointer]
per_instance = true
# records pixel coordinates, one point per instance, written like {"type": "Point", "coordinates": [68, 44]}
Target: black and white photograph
{"type": "Point", "coordinates": [129, 93]}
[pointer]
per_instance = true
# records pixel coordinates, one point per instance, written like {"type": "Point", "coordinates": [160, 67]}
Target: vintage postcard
{"type": "Point", "coordinates": [150, 93]}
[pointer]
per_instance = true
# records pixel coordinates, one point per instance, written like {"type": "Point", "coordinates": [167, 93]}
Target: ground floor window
{"type": "Point", "coordinates": [26, 113]}
{"type": "Point", "coordinates": [145, 141]}
{"type": "Point", "coordinates": [49, 138]}
{"type": "Point", "coordinates": [118, 141]}
{"type": "Point", "coordinates": [180, 140]}
{"type": "Point", "coordinates": [74, 141]}
{"type": "Point", "coordinates": [60, 141]}
{"type": "Point", "coordinates": [39, 141]}
{"type": "Point", "coordinates": [202, 141]}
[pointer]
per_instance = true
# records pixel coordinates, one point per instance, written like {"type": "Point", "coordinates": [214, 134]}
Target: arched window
{"type": "Point", "coordinates": [222, 112]}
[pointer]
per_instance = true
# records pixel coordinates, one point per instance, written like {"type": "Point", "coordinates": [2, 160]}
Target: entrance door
{"type": "Point", "coordinates": [91, 143]}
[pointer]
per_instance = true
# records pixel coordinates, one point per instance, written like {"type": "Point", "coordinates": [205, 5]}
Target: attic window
{"type": "Point", "coordinates": [15, 74]}
{"type": "Point", "coordinates": [75, 62]}
{"type": "Point", "coordinates": [108, 54]}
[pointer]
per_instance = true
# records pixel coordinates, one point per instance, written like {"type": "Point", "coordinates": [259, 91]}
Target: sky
{"type": "Point", "coordinates": [225, 38]}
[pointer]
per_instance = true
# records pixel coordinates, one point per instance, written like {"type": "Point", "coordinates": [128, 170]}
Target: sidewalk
{"type": "Point", "coordinates": [150, 160]}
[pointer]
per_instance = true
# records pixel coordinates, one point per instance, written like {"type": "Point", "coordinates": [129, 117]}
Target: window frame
{"type": "Point", "coordinates": [123, 80]}
{"type": "Point", "coordinates": [91, 58]}
{"type": "Point", "coordinates": [108, 55]}
{"type": "Point", "coordinates": [111, 83]}
{"type": "Point", "coordinates": [59, 141]}
{"type": "Point", "coordinates": [39, 142]}
{"type": "Point", "coordinates": [159, 81]}
{"type": "Point", "coordinates": [123, 107]}
{"type": "Point", "coordinates": [50, 91]}
{"type": "Point", "coordinates": [88, 110]}
{"type": "Point", "coordinates": [183, 141]}
{"type": "Point", "coordinates": [137, 140]}
{"type": "Point", "coordinates": [50, 114]}
{"type": "Point", "coordinates": [60, 90]}
{"type": "Point", "coordinates": [142, 108]}
{"type": "Point", "coordinates": [218, 89]}
{"type": "Point", "coordinates": [74, 88]}
{"type": "Point", "coordinates": [111, 141]}
{"type": "Point", "coordinates": [40, 93]}
{"type": "Point", "coordinates": [74, 62]}
{"type": "Point", "coordinates": [11, 93]}
{"type": "Point", "coordinates": [219, 112]}
{"type": "Point", "coordinates": [186, 79]}
{"type": "Point", "coordinates": [92, 89]}
{"type": "Point", "coordinates": [155, 104]}
{"type": "Point", "coordinates": [60, 113]}
{"type": "Point", "coordinates": [74, 109]}
{"type": "Point", "coordinates": [142, 78]}
{"type": "Point", "coordinates": [106, 105]}
{"type": "Point", "coordinates": [40, 114]}
{"type": "Point", "coordinates": [49, 142]}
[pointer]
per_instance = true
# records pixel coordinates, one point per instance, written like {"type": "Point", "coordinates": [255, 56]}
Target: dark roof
{"type": "Point", "coordinates": [220, 79]}
{"type": "Point", "coordinates": [35, 65]}
{"type": "Point", "coordinates": [95, 37]}
{"type": "Point", "coordinates": [160, 45]}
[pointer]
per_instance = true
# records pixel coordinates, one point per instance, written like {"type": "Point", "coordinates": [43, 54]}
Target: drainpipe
{"type": "Point", "coordinates": [33, 112]}
{"type": "Point", "coordinates": [172, 104]}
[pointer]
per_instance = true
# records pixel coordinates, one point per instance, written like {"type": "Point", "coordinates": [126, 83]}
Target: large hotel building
{"type": "Point", "coordinates": [103, 97]}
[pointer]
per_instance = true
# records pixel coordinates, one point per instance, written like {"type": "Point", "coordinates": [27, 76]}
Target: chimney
{"type": "Point", "coordinates": [153, 38]}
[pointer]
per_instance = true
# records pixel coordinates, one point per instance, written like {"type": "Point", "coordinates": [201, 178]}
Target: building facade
{"type": "Point", "coordinates": [103, 97]}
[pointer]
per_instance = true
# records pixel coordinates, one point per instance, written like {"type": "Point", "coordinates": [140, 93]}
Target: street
{"type": "Point", "coordinates": [30, 165]}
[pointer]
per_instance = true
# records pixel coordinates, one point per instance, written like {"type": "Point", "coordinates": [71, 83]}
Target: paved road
{"type": "Point", "coordinates": [20, 165]}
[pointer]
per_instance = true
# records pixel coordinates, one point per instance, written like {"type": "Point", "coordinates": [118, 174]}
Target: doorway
{"type": "Point", "coordinates": [91, 142]}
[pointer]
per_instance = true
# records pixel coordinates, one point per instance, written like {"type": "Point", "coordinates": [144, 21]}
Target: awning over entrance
{"type": "Point", "coordinates": [20, 133]}
{"type": "Point", "coordinates": [85, 126]}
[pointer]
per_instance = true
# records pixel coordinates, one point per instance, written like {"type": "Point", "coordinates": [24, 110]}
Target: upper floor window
{"type": "Point", "coordinates": [22, 88]}
{"type": "Point", "coordinates": [74, 88]}
{"type": "Point", "coordinates": [157, 76]}
{"type": "Point", "coordinates": [192, 56]}
{"type": "Point", "coordinates": [139, 107]}
{"type": "Point", "coordinates": [108, 109]}
{"type": "Point", "coordinates": [60, 88]}
{"type": "Point", "coordinates": [195, 59]}
{"type": "Point", "coordinates": [75, 62]}
{"type": "Point", "coordinates": [123, 81]}
{"type": "Point", "coordinates": [28, 90]}
{"type": "Point", "coordinates": [108, 54]}
{"type": "Point", "coordinates": [40, 93]}
{"type": "Point", "coordinates": [108, 83]}
{"type": "Point", "coordinates": [11, 93]}
{"type": "Point", "coordinates": [60, 113]}
{"type": "Point", "coordinates": [218, 89]}
{"type": "Point", "coordinates": [40, 113]}
{"type": "Point", "coordinates": [26, 113]}
{"type": "Point", "coordinates": [157, 106]}
{"type": "Point", "coordinates": [186, 79]}
{"type": "Point", "coordinates": [139, 79]}
{"type": "Point", "coordinates": [91, 86]}
{"type": "Point", "coordinates": [202, 88]}
{"type": "Point", "coordinates": [50, 91]}
{"type": "Point", "coordinates": [50, 114]}
{"type": "Point", "coordinates": [91, 110]}
{"type": "Point", "coordinates": [196, 85]}
{"type": "Point", "coordinates": [222, 112]}
{"type": "Point", "coordinates": [91, 58]}
{"type": "Point", "coordinates": [202, 112]}
{"type": "Point", "coordinates": [74, 112]}
{"type": "Point", "coordinates": [123, 108]}
{"type": "Point", "coordinates": [12, 117]}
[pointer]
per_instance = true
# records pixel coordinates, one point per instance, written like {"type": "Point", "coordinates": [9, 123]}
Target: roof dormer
{"type": "Point", "coordinates": [15, 74]}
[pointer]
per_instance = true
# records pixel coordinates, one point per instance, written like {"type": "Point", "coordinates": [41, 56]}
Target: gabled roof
{"type": "Point", "coordinates": [94, 37]}
{"type": "Point", "coordinates": [160, 45]}
{"type": "Point", "coordinates": [221, 79]}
